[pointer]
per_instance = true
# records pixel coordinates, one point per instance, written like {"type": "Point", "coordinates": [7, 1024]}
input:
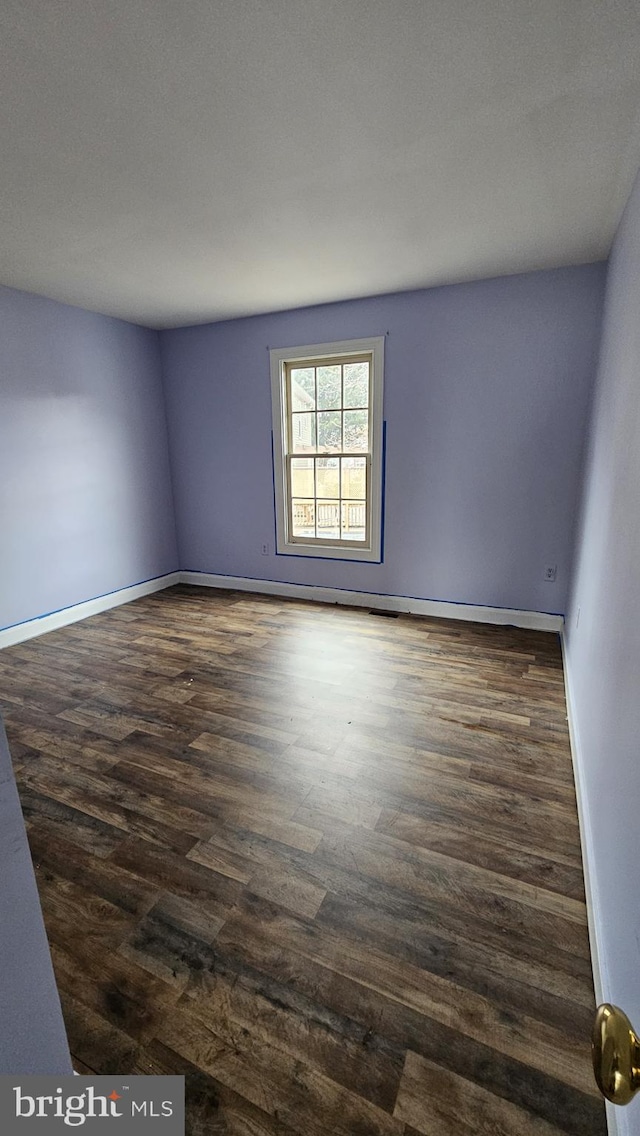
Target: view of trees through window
{"type": "Point", "coordinates": [329, 448]}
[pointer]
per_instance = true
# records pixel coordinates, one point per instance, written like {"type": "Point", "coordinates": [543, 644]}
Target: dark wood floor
{"type": "Point", "coordinates": [323, 862]}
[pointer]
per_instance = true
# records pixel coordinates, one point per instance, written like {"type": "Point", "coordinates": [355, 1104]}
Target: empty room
{"type": "Point", "coordinates": [320, 567]}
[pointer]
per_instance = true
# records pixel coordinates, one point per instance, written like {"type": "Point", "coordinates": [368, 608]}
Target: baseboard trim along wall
{"type": "Point", "coordinates": [20, 632]}
{"type": "Point", "coordinates": [535, 620]}
{"type": "Point", "coordinates": [600, 981]}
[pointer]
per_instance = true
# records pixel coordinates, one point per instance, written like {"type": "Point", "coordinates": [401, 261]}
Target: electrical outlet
{"type": "Point", "coordinates": [265, 549]}
{"type": "Point", "coordinates": [550, 573]}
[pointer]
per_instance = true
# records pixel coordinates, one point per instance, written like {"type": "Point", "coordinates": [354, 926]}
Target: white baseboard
{"type": "Point", "coordinates": [535, 620]}
{"type": "Point", "coordinates": [20, 632]}
{"type": "Point", "coordinates": [43, 623]}
{"type": "Point", "coordinates": [599, 976]}
{"type": "Point", "coordinates": [616, 1123]}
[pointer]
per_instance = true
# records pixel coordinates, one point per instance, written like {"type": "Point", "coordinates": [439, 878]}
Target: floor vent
{"type": "Point", "coordinates": [387, 614]}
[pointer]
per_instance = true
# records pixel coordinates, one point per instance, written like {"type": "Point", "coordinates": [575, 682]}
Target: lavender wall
{"type": "Point", "coordinates": [487, 388]}
{"type": "Point", "coordinates": [32, 1034]}
{"type": "Point", "coordinates": [85, 493]}
{"type": "Point", "coordinates": [603, 650]}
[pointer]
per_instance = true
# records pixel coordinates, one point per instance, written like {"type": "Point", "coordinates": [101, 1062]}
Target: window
{"type": "Point", "coordinates": [327, 425]}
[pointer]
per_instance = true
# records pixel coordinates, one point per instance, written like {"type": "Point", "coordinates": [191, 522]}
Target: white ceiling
{"type": "Point", "coordinates": [175, 161]}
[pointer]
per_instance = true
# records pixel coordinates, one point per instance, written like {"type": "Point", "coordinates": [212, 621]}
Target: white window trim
{"type": "Point", "coordinates": [371, 552]}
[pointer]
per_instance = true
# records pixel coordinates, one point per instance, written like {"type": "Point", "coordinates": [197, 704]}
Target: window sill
{"type": "Point", "coordinates": [330, 552]}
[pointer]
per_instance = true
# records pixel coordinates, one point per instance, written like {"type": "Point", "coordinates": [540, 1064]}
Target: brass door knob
{"type": "Point", "coordinates": [616, 1054]}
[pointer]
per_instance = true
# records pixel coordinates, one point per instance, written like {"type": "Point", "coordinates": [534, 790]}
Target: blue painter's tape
{"type": "Point", "coordinates": [384, 488]}
{"type": "Point", "coordinates": [70, 607]}
{"type": "Point", "coordinates": [359, 591]}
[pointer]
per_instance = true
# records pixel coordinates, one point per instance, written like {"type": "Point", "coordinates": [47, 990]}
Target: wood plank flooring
{"type": "Point", "coordinates": [324, 863]}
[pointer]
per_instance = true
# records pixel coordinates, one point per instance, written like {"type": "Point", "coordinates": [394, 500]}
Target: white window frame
{"type": "Point", "coordinates": [286, 545]}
